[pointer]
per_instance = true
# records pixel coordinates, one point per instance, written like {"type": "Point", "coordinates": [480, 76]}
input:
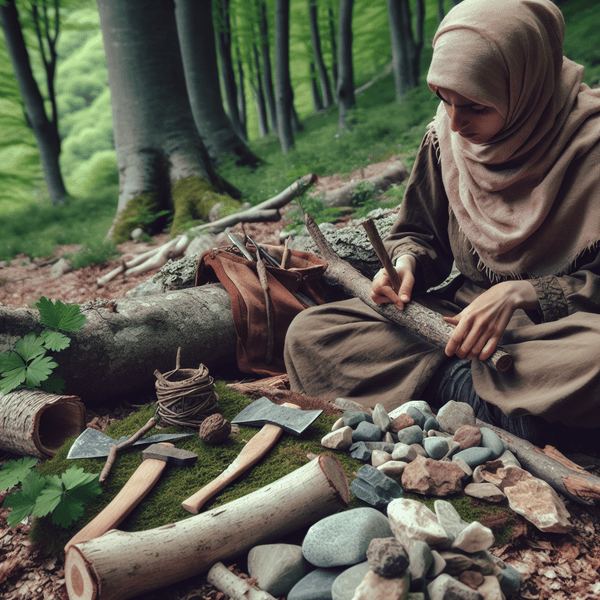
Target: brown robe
{"type": "Point", "coordinates": [345, 349]}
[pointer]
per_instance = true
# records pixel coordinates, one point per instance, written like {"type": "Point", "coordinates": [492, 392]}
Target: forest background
{"type": "Point", "coordinates": [382, 122]}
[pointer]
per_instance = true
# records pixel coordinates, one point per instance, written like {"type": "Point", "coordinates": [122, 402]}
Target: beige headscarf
{"type": "Point", "coordinates": [529, 199]}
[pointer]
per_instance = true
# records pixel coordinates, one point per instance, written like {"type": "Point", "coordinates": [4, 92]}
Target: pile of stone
{"type": "Point", "coordinates": [411, 450]}
{"type": "Point", "coordinates": [411, 554]}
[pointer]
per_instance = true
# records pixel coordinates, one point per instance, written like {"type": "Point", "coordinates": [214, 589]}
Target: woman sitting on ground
{"type": "Point", "coordinates": [506, 186]}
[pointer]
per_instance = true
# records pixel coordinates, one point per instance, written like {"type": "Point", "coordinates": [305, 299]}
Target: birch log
{"type": "Point", "coordinates": [417, 318]}
{"type": "Point", "coordinates": [120, 565]}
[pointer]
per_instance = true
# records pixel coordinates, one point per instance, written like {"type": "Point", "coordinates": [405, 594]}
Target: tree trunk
{"type": "Point", "coordinates": [406, 51]}
{"type": "Point", "coordinates": [314, 88]}
{"type": "Point", "coordinates": [162, 161]}
{"type": "Point", "coordinates": [227, 73]}
{"type": "Point", "coordinates": [283, 85]}
{"type": "Point", "coordinates": [345, 81]}
{"type": "Point", "coordinates": [241, 95]}
{"type": "Point", "coordinates": [257, 86]}
{"type": "Point", "coordinates": [122, 565]}
{"type": "Point", "coordinates": [334, 47]}
{"type": "Point", "coordinates": [197, 42]}
{"type": "Point", "coordinates": [318, 54]}
{"type": "Point", "coordinates": [44, 129]}
{"type": "Point", "coordinates": [263, 24]}
{"type": "Point", "coordinates": [125, 341]}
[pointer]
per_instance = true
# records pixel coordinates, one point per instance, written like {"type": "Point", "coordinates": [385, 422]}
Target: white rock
{"type": "Point", "coordinates": [393, 469]}
{"type": "Point", "coordinates": [380, 457]}
{"type": "Point", "coordinates": [418, 404]}
{"type": "Point", "coordinates": [404, 453]}
{"type": "Point", "coordinates": [338, 424]}
{"type": "Point", "coordinates": [340, 439]}
{"type": "Point", "coordinates": [412, 520]}
{"type": "Point", "coordinates": [473, 538]}
{"type": "Point", "coordinates": [381, 418]}
{"type": "Point", "coordinates": [490, 588]}
{"type": "Point", "coordinates": [485, 491]}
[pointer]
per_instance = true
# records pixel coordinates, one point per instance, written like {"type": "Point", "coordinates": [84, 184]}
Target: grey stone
{"type": "Point", "coordinates": [393, 469]}
{"type": "Point", "coordinates": [456, 562]}
{"type": "Point", "coordinates": [475, 456]}
{"type": "Point", "coordinates": [385, 446]}
{"type": "Point", "coordinates": [316, 585]}
{"type": "Point", "coordinates": [437, 566]}
{"type": "Point", "coordinates": [381, 418]}
{"type": "Point", "coordinates": [412, 521]}
{"type": "Point", "coordinates": [446, 587]}
{"type": "Point", "coordinates": [418, 417]}
{"type": "Point", "coordinates": [380, 457]}
{"type": "Point", "coordinates": [453, 448]}
{"type": "Point", "coordinates": [490, 439]}
{"type": "Point", "coordinates": [410, 435]}
{"type": "Point", "coordinates": [510, 580]}
{"type": "Point", "coordinates": [59, 268]}
{"type": "Point", "coordinates": [485, 491]}
{"type": "Point", "coordinates": [343, 538]}
{"type": "Point", "coordinates": [454, 415]}
{"type": "Point", "coordinates": [448, 517]}
{"type": "Point", "coordinates": [404, 453]}
{"type": "Point", "coordinates": [509, 459]}
{"type": "Point", "coordinates": [418, 404]}
{"type": "Point", "coordinates": [353, 417]}
{"type": "Point", "coordinates": [387, 557]}
{"type": "Point", "coordinates": [277, 567]}
{"type": "Point", "coordinates": [420, 561]}
{"type": "Point", "coordinates": [359, 451]}
{"type": "Point", "coordinates": [374, 487]}
{"type": "Point", "coordinates": [366, 432]}
{"type": "Point", "coordinates": [431, 424]}
{"type": "Point", "coordinates": [346, 582]}
{"type": "Point", "coordinates": [436, 447]}
{"type": "Point", "coordinates": [419, 450]}
{"type": "Point", "coordinates": [390, 438]}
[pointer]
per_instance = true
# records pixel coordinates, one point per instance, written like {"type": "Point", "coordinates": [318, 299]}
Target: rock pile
{"type": "Point", "coordinates": [412, 450]}
{"type": "Point", "coordinates": [411, 554]}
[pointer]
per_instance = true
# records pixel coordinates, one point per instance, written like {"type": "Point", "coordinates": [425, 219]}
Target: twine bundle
{"type": "Point", "coordinates": [185, 397]}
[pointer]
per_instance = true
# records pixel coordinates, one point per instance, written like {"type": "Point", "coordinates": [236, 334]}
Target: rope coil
{"type": "Point", "coordinates": [185, 397]}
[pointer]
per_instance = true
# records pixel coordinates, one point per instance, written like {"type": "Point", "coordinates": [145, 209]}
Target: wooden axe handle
{"type": "Point", "coordinates": [251, 453]}
{"type": "Point", "coordinates": [139, 484]}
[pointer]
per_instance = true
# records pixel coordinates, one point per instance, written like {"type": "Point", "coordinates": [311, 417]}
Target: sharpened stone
{"type": "Point", "coordinates": [381, 418]}
{"type": "Point", "coordinates": [359, 451]}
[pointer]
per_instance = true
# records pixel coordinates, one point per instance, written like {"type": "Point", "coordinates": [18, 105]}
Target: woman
{"type": "Point", "coordinates": [506, 185]}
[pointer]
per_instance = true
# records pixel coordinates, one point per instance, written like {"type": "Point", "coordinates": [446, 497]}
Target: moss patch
{"type": "Point", "coordinates": [138, 213]}
{"type": "Point", "coordinates": [163, 504]}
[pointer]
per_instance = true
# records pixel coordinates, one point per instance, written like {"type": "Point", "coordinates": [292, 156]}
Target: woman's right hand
{"type": "Point", "coordinates": [382, 290]}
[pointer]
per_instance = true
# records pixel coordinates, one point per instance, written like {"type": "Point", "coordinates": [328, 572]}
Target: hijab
{"type": "Point", "coordinates": [528, 200]}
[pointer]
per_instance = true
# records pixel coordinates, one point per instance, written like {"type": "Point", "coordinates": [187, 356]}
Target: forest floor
{"type": "Point", "coordinates": [553, 566]}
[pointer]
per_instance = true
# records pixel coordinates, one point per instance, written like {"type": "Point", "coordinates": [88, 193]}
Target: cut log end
{"type": "Point", "coordinates": [334, 472]}
{"type": "Point", "coordinates": [502, 362]}
{"type": "Point", "coordinates": [79, 577]}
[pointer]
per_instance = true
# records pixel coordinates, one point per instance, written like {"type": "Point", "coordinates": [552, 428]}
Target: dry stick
{"type": "Point", "coordinates": [417, 318]}
{"type": "Point", "coordinates": [114, 448]}
{"type": "Point", "coordinates": [381, 252]}
{"type": "Point", "coordinates": [262, 277]}
{"type": "Point", "coordinates": [233, 586]}
{"type": "Point", "coordinates": [286, 253]}
{"type": "Point", "coordinates": [576, 484]}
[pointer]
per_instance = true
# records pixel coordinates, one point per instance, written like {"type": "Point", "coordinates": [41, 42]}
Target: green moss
{"type": "Point", "coordinates": [163, 504]}
{"type": "Point", "coordinates": [193, 197]}
{"type": "Point", "coordinates": [134, 215]}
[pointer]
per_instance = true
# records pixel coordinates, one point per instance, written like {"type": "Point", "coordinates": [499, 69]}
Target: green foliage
{"type": "Point", "coordinates": [29, 364]}
{"type": "Point", "coordinates": [316, 208]}
{"type": "Point", "coordinates": [64, 497]}
{"type": "Point", "coordinates": [94, 253]}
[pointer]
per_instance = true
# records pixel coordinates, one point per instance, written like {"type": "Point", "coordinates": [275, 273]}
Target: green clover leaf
{"type": "Point", "coordinates": [59, 315]}
{"type": "Point", "coordinates": [23, 502]}
{"type": "Point", "coordinates": [54, 340]}
{"type": "Point", "coordinates": [15, 471]}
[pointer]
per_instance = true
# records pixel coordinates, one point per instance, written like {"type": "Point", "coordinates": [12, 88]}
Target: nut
{"type": "Point", "coordinates": [215, 429]}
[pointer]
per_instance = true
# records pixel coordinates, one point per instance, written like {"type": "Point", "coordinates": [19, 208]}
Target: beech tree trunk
{"type": "Point", "coordinates": [318, 54]}
{"type": "Point", "coordinates": [345, 81]}
{"type": "Point", "coordinates": [283, 85]}
{"type": "Point", "coordinates": [44, 129]}
{"type": "Point", "coordinates": [259, 95]}
{"type": "Point", "coordinates": [314, 88]}
{"type": "Point", "coordinates": [124, 341]}
{"type": "Point", "coordinates": [406, 48]}
{"type": "Point", "coordinates": [120, 565]}
{"type": "Point", "coordinates": [198, 50]}
{"type": "Point", "coordinates": [267, 72]}
{"type": "Point", "coordinates": [334, 47]}
{"type": "Point", "coordinates": [227, 72]}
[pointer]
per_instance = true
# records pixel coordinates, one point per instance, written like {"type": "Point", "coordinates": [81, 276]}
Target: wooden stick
{"type": "Point", "coordinates": [233, 586]}
{"type": "Point", "coordinates": [417, 318]}
{"type": "Point", "coordinates": [381, 252]}
{"type": "Point", "coordinates": [114, 448]}
{"type": "Point", "coordinates": [576, 484]}
{"type": "Point", "coordinates": [121, 565]}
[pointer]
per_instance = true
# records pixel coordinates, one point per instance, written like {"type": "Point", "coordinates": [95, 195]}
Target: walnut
{"type": "Point", "coordinates": [215, 429]}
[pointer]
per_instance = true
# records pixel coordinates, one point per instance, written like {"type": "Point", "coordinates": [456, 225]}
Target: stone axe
{"type": "Point", "coordinates": [274, 419]}
{"type": "Point", "coordinates": [154, 461]}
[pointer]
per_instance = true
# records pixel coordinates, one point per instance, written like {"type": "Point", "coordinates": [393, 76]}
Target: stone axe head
{"type": "Point", "coordinates": [171, 455]}
{"type": "Point", "coordinates": [263, 411]}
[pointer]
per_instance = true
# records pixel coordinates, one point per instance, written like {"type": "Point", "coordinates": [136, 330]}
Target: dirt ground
{"type": "Point", "coordinates": [553, 566]}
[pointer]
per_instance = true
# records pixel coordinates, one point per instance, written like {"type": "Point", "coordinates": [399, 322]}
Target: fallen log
{"type": "Point", "coordinates": [120, 565]}
{"type": "Point", "coordinates": [126, 340]}
{"type": "Point", "coordinates": [417, 318]}
{"type": "Point", "coordinates": [567, 479]}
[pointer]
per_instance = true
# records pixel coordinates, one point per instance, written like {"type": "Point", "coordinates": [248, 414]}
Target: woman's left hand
{"type": "Point", "coordinates": [480, 325]}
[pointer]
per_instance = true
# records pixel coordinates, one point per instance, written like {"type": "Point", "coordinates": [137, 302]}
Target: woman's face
{"type": "Point", "coordinates": [477, 123]}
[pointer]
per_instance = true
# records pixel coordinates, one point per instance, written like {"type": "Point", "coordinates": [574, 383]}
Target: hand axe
{"type": "Point", "coordinates": [251, 453]}
{"type": "Point", "coordinates": [154, 461]}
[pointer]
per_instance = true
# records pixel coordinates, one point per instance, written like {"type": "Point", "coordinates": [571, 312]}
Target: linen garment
{"type": "Point", "coordinates": [345, 349]}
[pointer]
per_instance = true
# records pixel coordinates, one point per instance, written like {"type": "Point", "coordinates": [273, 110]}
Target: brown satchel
{"type": "Point", "coordinates": [264, 299]}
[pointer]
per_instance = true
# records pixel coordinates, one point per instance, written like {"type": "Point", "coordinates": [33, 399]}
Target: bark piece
{"type": "Point", "coordinates": [232, 585]}
{"type": "Point", "coordinates": [122, 565]}
{"type": "Point", "coordinates": [36, 423]}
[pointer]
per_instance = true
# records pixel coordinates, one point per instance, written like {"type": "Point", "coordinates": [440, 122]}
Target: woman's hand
{"type": "Point", "coordinates": [480, 325]}
{"type": "Point", "coordinates": [382, 290]}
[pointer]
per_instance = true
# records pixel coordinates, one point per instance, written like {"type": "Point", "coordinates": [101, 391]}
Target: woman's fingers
{"type": "Point", "coordinates": [382, 290]}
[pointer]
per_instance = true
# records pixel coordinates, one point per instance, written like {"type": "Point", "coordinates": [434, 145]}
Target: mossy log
{"type": "Point", "coordinates": [120, 565]}
{"type": "Point", "coordinates": [126, 340]}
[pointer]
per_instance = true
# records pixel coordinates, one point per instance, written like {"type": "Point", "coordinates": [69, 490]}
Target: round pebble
{"type": "Point", "coordinates": [436, 447]}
